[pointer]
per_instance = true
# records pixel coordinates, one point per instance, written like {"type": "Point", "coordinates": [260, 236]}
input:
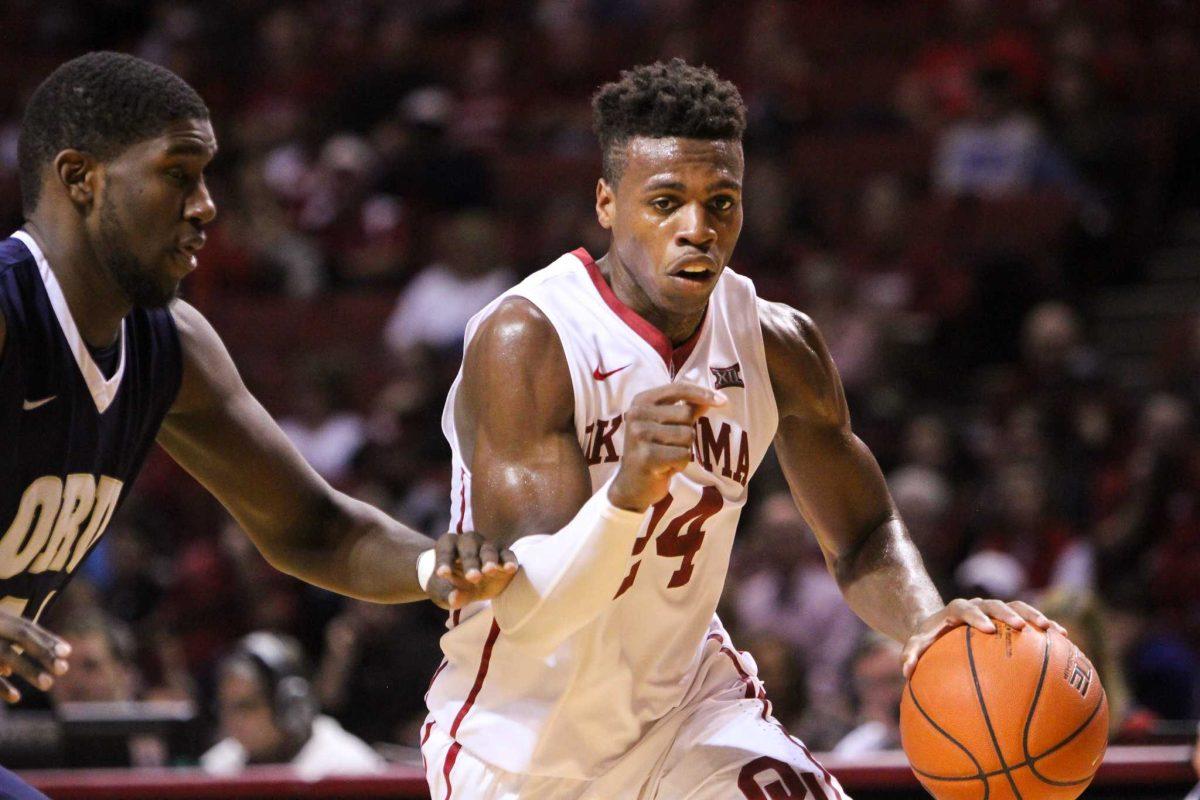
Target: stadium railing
{"type": "Point", "coordinates": [1129, 772]}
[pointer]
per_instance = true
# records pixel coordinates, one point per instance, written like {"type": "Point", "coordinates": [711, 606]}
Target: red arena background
{"type": "Point", "coordinates": [990, 208]}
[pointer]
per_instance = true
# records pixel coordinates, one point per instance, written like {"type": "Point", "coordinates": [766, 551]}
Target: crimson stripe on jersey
{"type": "Point", "coordinates": [813, 785]}
{"type": "Point", "coordinates": [425, 738]}
{"type": "Point", "coordinates": [451, 757]}
{"type": "Point", "coordinates": [672, 356]}
{"type": "Point", "coordinates": [824, 772]}
{"type": "Point", "coordinates": [754, 691]}
{"type": "Point", "coordinates": [462, 516]}
{"type": "Point", "coordinates": [462, 498]}
{"type": "Point", "coordinates": [751, 693]}
{"type": "Point", "coordinates": [484, 660]}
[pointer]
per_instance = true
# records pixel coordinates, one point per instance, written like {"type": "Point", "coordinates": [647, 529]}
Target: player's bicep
{"type": "Point", "coordinates": [222, 435]}
{"type": "Point", "coordinates": [834, 478]}
{"type": "Point", "coordinates": [515, 417]}
{"type": "Point", "coordinates": [835, 481]}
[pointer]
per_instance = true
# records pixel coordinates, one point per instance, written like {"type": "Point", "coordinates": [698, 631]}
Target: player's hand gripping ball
{"type": "Point", "coordinates": [1005, 715]}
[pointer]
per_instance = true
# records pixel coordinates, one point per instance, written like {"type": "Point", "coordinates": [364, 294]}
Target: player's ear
{"type": "Point", "coordinates": [606, 197]}
{"type": "Point", "coordinates": [79, 173]}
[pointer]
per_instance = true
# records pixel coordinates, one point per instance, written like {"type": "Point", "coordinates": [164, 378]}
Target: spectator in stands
{"type": "Point", "coordinates": [362, 231]}
{"type": "Point", "coordinates": [785, 590]}
{"type": "Point", "coordinates": [923, 497]}
{"type": "Point", "coordinates": [1021, 521]}
{"type": "Point", "coordinates": [103, 666]}
{"type": "Point", "coordinates": [467, 274]}
{"type": "Point", "coordinates": [1000, 150]}
{"type": "Point", "coordinates": [875, 691]}
{"type": "Point", "coordinates": [938, 87]}
{"type": "Point", "coordinates": [269, 715]}
{"type": "Point", "coordinates": [370, 649]}
{"type": "Point", "coordinates": [991, 573]}
{"type": "Point", "coordinates": [322, 426]}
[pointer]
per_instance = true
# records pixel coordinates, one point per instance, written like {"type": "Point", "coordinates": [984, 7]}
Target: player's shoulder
{"type": "Point", "coordinates": [14, 254]}
{"type": "Point", "coordinates": [516, 348]}
{"type": "Point", "coordinates": [208, 371]}
{"type": "Point", "coordinates": [802, 372]}
{"type": "Point", "coordinates": [517, 328]}
{"type": "Point", "coordinates": [788, 331]}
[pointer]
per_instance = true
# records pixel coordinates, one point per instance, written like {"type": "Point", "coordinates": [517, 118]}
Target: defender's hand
{"type": "Point", "coordinates": [978, 613]}
{"type": "Point", "coordinates": [31, 651]}
{"type": "Point", "coordinates": [469, 568]}
{"type": "Point", "coordinates": [658, 442]}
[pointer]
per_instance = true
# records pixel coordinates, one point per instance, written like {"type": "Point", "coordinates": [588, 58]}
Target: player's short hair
{"type": "Point", "coordinates": [661, 100]}
{"type": "Point", "coordinates": [100, 103]}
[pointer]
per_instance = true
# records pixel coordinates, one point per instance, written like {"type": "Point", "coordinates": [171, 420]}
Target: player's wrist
{"type": "Point", "coordinates": [621, 496]}
{"type": "Point", "coordinates": [621, 501]}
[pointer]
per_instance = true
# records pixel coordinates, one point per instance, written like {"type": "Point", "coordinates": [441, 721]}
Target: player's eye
{"type": "Point", "coordinates": [721, 203]}
{"type": "Point", "coordinates": [663, 204]}
{"type": "Point", "coordinates": [178, 174]}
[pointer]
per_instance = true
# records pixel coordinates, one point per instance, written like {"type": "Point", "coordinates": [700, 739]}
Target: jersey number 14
{"type": "Point", "coordinates": [682, 538]}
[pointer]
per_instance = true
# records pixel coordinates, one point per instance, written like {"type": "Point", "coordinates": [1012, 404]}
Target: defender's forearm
{"type": "Point", "coordinates": [353, 549]}
{"type": "Point", "coordinates": [884, 581]}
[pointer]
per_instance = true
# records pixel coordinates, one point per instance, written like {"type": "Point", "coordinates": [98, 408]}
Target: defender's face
{"type": "Point", "coordinates": [148, 220]}
{"type": "Point", "coordinates": [675, 215]}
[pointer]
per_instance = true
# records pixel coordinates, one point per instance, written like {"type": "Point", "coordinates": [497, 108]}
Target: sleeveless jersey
{"type": "Point", "coordinates": [575, 712]}
{"type": "Point", "coordinates": [71, 439]}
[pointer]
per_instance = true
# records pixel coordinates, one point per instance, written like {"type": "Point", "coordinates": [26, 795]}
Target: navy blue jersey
{"type": "Point", "coordinates": [72, 438]}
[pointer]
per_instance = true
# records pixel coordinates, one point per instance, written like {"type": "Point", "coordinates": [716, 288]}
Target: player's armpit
{"type": "Point", "coordinates": [219, 433]}
{"type": "Point", "coordinates": [3, 335]}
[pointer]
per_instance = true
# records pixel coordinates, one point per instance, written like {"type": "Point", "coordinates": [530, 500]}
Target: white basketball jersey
{"type": "Point", "coordinates": [574, 712]}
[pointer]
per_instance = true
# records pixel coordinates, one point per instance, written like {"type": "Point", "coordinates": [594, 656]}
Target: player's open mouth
{"type": "Point", "coordinates": [698, 270]}
{"type": "Point", "coordinates": [694, 276]}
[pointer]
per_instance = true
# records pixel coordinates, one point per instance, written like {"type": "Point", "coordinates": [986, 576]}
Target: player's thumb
{"type": "Point", "coordinates": [701, 398]}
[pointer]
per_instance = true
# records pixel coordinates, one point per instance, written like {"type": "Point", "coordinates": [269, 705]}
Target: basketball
{"type": "Point", "coordinates": [1013, 715]}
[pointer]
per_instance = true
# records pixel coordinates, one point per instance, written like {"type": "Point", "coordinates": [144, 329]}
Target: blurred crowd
{"type": "Point", "coordinates": [947, 188]}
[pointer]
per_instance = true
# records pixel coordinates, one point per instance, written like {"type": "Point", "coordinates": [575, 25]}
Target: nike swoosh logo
{"type": "Point", "coordinates": [30, 405]}
{"type": "Point", "coordinates": [600, 376]}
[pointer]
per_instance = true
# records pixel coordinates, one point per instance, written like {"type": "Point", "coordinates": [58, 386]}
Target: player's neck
{"type": "Point", "coordinates": [678, 328]}
{"type": "Point", "coordinates": [96, 304]}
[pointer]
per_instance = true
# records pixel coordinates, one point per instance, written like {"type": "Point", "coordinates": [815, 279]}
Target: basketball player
{"type": "Point", "coordinates": [621, 405]}
{"type": "Point", "coordinates": [98, 359]}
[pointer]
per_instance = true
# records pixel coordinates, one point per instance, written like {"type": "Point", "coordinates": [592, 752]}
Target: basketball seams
{"type": "Point", "coordinates": [987, 719]}
{"type": "Point", "coordinates": [980, 774]}
{"type": "Point", "coordinates": [1030, 759]}
{"type": "Point", "coordinates": [1037, 695]}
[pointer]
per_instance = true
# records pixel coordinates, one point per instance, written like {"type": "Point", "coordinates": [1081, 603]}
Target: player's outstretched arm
{"type": "Point", "coordinates": [515, 420]}
{"type": "Point", "coordinates": [838, 487]}
{"type": "Point", "coordinates": [220, 433]}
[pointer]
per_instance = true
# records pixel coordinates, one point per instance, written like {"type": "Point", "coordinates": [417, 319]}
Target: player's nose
{"type": "Point", "coordinates": [695, 229]}
{"type": "Point", "coordinates": [200, 208]}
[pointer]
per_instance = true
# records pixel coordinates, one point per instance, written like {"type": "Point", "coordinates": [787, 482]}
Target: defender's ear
{"type": "Point", "coordinates": [79, 173]}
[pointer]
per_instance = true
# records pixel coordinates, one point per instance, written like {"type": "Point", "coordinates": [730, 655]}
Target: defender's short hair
{"type": "Point", "coordinates": [661, 100]}
{"type": "Point", "coordinates": [100, 103]}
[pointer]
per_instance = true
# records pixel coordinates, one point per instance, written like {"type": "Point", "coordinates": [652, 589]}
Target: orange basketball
{"type": "Point", "coordinates": [1014, 715]}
